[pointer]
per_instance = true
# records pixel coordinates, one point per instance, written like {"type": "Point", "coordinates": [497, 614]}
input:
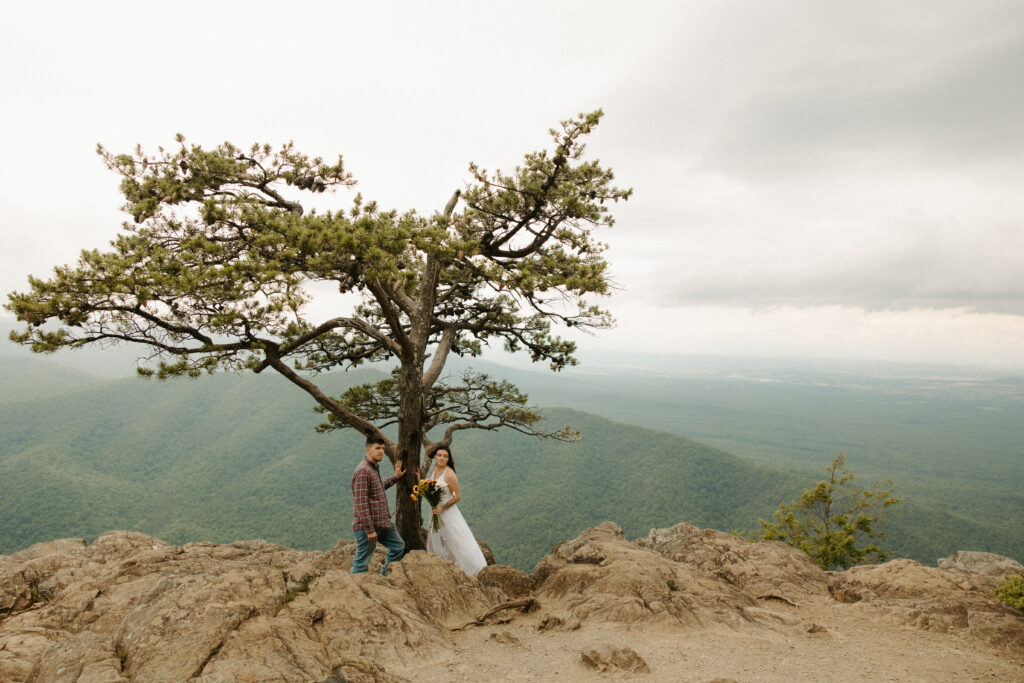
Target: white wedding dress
{"type": "Point", "coordinates": [454, 541]}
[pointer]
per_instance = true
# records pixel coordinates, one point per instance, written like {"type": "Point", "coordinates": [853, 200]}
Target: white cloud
{"type": "Point", "coordinates": [833, 174]}
{"type": "Point", "coordinates": [934, 264]}
{"type": "Point", "coordinates": [949, 336]}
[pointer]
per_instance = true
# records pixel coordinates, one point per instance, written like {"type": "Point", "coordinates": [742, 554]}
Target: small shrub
{"type": "Point", "coordinates": [1012, 591]}
{"type": "Point", "coordinates": [833, 521]}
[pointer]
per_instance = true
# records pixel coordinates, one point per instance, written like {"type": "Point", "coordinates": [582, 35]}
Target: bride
{"type": "Point", "coordinates": [453, 541]}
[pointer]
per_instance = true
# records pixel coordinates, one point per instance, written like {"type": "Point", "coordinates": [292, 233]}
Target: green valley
{"type": "Point", "coordinates": [232, 457]}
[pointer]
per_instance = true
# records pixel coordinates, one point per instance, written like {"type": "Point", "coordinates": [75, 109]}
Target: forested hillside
{"type": "Point", "coordinates": [223, 458]}
{"type": "Point", "coordinates": [952, 441]}
{"type": "Point", "coordinates": [642, 479]}
{"type": "Point", "coordinates": [28, 379]}
{"type": "Point", "coordinates": [233, 457]}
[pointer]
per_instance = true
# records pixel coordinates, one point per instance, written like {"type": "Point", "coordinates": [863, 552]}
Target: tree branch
{"type": "Point", "coordinates": [450, 206]}
{"type": "Point", "coordinates": [357, 324]}
{"type": "Point", "coordinates": [385, 300]}
{"type": "Point", "coordinates": [440, 357]}
{"type": "Point", "coordinates": [364, 427]}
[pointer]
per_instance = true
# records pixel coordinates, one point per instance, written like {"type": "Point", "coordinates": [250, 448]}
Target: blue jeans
{"type": "Point", "coordinates": [365, 547]}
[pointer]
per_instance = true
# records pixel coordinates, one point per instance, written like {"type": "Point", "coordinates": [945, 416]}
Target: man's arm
{"type": "Point", "coordinates": [361, 501]}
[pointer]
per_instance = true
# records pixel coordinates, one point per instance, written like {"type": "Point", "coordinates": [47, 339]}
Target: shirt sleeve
{"type": "Point", "coordinates": [390, 481]}
{"type": "Point", "coordinates": [361, 501]}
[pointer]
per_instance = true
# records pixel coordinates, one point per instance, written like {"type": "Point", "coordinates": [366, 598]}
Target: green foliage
{"type": "Point", "coordinates": [221, 460]}
{"type": "Point", "coordinates": [1011, 591]}
{"type": "Point", "coordinates": [833, 520]}
{"type": "Point", "coordinates": [236, 457]}
{"type": "Point", "coordinates": [953, 445]}
{"type": "Point", "coordinates": [478, 402]}
{"type": "Point", "coordinates": [213, 271]}
{"type": "Point", "coordinates": [522, 495]}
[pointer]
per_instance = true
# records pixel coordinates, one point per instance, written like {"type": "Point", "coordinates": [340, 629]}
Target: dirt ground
{"type": "Point", "coordinates": [849, 643]}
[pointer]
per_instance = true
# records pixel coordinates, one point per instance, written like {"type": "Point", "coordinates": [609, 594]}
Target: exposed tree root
{"type": "Point", "coordinates": [525, 604]}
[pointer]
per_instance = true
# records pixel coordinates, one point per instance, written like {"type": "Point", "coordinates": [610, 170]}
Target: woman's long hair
{"type": "Point", "coordinates": [451, 458]}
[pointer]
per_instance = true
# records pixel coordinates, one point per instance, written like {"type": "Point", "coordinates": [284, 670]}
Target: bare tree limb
{"type": "Point", "coordinates": [524, 604]}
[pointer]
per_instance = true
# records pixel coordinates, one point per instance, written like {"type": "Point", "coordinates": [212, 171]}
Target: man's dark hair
{"type": "Point", "coordinates": [375, 438]}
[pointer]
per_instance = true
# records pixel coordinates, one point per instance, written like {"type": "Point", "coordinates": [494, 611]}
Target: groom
{"type": "Point", "coordinates": [372, 519]}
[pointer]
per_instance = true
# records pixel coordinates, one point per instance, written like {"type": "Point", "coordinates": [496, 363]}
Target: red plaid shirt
{"type": "Point", "coordinates": [368, 500]}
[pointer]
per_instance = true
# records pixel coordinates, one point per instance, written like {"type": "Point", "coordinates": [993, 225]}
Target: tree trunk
{"type": "Point", "coordinates": [408, 520]}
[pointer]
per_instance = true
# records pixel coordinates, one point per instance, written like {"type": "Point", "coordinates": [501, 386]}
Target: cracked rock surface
{"type": "Point", "coordinates": [130, 606]}
{"type": "Point", "coordinates": [682, 603]}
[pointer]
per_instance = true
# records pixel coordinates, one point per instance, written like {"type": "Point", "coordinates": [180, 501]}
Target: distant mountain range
{"type": "Point", "coordinates": [235, 457]}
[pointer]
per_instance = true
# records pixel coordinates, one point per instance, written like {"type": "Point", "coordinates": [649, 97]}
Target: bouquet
{"type": "Point", "coordinates": [432, 491]}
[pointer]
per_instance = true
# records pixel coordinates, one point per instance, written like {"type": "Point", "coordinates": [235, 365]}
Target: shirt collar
{"type": "Point", "coordinates": [374, 465]}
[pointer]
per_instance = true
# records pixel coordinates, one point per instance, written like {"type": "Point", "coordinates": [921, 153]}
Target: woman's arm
{"type": "Point", "coordinates": [453, 486]}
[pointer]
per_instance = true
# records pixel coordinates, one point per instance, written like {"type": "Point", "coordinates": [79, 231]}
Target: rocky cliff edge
{"type": "Point", "coordinates": [131, 607]}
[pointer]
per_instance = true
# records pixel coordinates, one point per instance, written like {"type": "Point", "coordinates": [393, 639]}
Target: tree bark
{"type": "Point", "coordinates": [412, 383]}
{"type": "Point", "coordinates": [408, 520]}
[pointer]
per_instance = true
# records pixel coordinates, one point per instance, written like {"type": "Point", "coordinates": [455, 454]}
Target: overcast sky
{"type": "Point", "coordinates": [812, 179]}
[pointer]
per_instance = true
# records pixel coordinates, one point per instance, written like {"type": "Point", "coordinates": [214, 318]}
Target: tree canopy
{"type": "Point", "coordinates": [213, 272]}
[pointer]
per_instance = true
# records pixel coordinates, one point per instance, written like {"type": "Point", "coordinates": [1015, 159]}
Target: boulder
{"type": "Point", "coordinates": [512, 582]}
{"type": "Point", "coordinates": [762, 569]}
{"type": "Point", "coordinates": [931, 599]}
{"type": "Point", "coordinates": [984, 571]}
{"type": "Point", "coordinates": [132, 606]}
{"type": "Point", "coordinates": [601, 577]}
{"type": "Point", "coordinates": [488, 553]}
{"type": "Point", "coordinates": [60, 546]}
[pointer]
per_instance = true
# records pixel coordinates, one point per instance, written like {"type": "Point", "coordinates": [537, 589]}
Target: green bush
{"type": "Point", "coordinates": [833, 521]}
{"type": "Point", "coordinates": [1012, 591]}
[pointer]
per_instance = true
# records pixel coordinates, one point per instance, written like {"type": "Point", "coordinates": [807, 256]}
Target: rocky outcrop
{"type": "Point", "coordinates": [488, 553]}
{"type": "Point", "coordinates": [984, 571]}
{"type": "Point", "coordinates": [600, 576]}
{"type": "Point", "coordinates": [511, 581]}
{"type": "Point", "coordinates": [131, 606]}
{"type": "Point", "coordinates": [931, 599]}
{"type": "Point", "coordinates": [765, 569]}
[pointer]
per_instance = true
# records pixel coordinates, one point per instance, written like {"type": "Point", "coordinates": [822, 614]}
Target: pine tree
{"type": "Point", "coordinates": [833, 520]}
{"type": "Point", "coordinates": [212, 273]}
